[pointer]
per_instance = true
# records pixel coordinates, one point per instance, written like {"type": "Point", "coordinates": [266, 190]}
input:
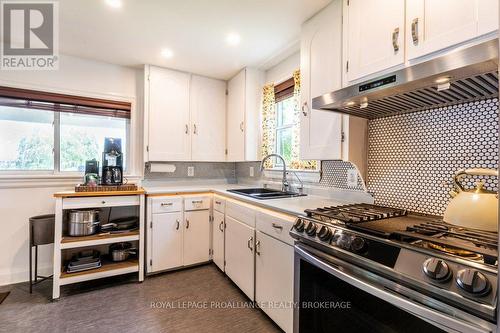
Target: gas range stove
{"type": "Point", "coordinates": [455, 265]}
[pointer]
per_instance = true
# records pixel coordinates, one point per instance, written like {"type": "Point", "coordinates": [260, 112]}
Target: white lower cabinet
{"type": "Point", "coordinates": [178, 233]}
{"type": "Point", "coordinates": [196, 237]}
{"type": "Point", "coordinates": [239, 253]}
{"type": "Point", "coordinates": [274, 279]}
{"type": "Point", "coordinates": [218, 227]}
{"type": "Point", "coordinates": [166, 241]}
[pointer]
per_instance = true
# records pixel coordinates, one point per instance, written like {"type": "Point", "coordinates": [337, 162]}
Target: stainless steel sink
{"type": "Point", "coordinates": [265, 193]}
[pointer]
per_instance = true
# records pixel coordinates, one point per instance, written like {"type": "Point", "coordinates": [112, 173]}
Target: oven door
{"type": "Point", "coordinates": [332, 295]}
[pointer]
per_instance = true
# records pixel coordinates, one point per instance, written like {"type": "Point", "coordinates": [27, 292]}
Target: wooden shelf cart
{"type": "Point", "coordinates": [82, 200]}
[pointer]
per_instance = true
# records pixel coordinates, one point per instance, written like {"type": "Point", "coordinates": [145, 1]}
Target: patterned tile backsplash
{"type": "Point", "coordinates": [412, 157]}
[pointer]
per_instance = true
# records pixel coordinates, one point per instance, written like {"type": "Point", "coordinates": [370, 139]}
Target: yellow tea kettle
{"type": "Point", "coordinates": [476, 208]}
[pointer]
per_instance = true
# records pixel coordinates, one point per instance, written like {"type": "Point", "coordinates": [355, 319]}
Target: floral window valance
{"type": "Point", "coordinates": [269, 125]}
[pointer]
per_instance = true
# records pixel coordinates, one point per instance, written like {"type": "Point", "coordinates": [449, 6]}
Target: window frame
{"type": "Point", "coordinates": [121, 103]}
{"type": "Point", "coordinates": [277, 162]}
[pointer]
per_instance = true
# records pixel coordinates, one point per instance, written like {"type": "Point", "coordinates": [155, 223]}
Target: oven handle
{"type": "Point", "coordinates": [430, 315]}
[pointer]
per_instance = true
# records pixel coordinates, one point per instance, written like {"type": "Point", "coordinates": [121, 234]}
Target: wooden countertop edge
{"type": "Point", "coordinates": [72, 194]}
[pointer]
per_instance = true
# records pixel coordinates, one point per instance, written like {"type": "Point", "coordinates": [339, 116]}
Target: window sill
{"type": "Point", "coordinates": [41, 179]}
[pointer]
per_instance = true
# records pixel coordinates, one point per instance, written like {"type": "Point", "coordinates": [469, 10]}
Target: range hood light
{"type": "Point", "coordinates": [350, 103]}
{"type": "Point", "coordinates": [443, 79]}
{"type": "Point", "coordinates": [363, 105]}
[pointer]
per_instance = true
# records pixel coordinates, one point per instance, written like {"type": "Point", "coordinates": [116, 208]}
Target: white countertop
{"type": "Point", "coordinates": [293, 206]}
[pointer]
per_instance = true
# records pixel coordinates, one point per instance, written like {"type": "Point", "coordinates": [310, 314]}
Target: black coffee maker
{"type": "Point", "coordinates": [112, 162]}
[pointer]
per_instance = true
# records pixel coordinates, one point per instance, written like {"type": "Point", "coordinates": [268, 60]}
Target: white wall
{"type": "Point", "coordinates": [284, 69]}
{"type": "Point", "coordinates": [20, 199]}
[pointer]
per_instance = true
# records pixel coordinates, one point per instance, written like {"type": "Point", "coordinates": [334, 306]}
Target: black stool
{"type": "Point", "coordinates": [41, 233]}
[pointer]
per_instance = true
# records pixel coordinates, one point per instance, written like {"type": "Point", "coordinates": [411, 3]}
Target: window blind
{"type": "Point", "coordinates": [32, 99]}
{"type": "Point", "coordinates": [284, 90]}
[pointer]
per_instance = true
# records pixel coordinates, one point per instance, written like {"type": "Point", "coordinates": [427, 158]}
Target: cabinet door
{"type": "Point", "coordinates": [274, 279]}
{"type": "Point", "coordinates": [208, 119]}
{"type": "Point", "coordinates": [371, 27]}
{"type": "Point", "coordinates": [321, 72]}
{"type": "Point", "coordinates": [196, 237]}
{"type": "Point", "coordinates": [236, 118]}
{"type": "Point", "coordinates": [168, 115]}
{"type": "Point", "coordinates": [218, 227]}
{"type": "Point", "coordinates": [240, 263]}
{"type": "Point", "coordinates": [166, 238]}
{"type": "Point", "coordinates": [487, 13]}
{"type": "Point", "coordinates": [433, 25]}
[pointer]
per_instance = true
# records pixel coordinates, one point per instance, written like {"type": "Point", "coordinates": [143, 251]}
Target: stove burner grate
{"type": "Point", "coordinates": [355, 213]}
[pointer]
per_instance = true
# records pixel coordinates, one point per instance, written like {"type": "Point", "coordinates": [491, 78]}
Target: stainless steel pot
{"type": "Point", "coordinates": [83, 222]}
{"type": "Point", "coordinates": [121, 251]}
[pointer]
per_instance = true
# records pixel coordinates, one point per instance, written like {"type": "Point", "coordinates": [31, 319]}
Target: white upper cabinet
{"type": "Point", "coordinates": [168, 115]}
{"type": "Point", "coordinates": [243, 114]}
{"type": "Point", "coordinates": [374, 32]}
{"type": "Point", "coordinates": [208, 119]}
{"type": "Point", "coordinates": [321, 72]}
{"type": "Point", "coordinates": [487, 11]}
{"type": "Point", "coordinates": [185, 116]}
{"type": "Point", "coordinates": [433, 25]}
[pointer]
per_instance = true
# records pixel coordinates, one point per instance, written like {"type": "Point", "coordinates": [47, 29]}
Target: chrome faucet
{"type": "Point", "coordinates": [284, 185]}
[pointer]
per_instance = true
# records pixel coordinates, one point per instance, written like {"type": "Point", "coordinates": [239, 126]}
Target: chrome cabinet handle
{"type": "Point", "coordinates": [221, 226]}
{"type": "Point", "coordinates": [414, 30]}
{"type": "Point", "coordinates": [178, 224]}
{"type": "Point", "coordinates": [241, 126]}
{"type": "Point", "coordinates": [103, 202]}
{"type": "Point", "coordinates": [257, 246]}
{"type": "Point", "coordinates": [166, 204]}
{"type": "Point", "coordinates": [187, 224]}
{"type": "Point", "coordinates": [194, 128]}
{"type": "Point", "coordinates": [187, 129]}
{"type": "Point", "coordinates": [249, 244]}
{"type": "Point", "coordinates": [196, 201]}
{"type": "Point", "coordinates": [395, 37]}
{"type": "Point", "coordinates": [277, 226]}
{"type": "Point", "coordinates": [305, 109]}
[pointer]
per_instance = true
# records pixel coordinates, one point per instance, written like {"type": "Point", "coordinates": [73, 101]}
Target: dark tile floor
{"type": "Point", "coordinates": [199, 299]}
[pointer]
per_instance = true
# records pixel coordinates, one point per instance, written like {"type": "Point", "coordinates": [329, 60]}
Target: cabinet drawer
{"type": "Point", "coordinates": [219, 204]}
{"type": "Point", "coordinates": [103, 201]}
{"type": "Point", "coordinates": [196, 202]}
{"type": "Point", "coordinates": [276, 225]}
{"type": "Point", "coordinates": [241, 212]}
{"type": "Point", "coordinates": [166, 204]}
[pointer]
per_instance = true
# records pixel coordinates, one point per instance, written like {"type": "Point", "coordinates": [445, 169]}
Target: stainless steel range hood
{"type": "Point", "coordinates": [464, 75]}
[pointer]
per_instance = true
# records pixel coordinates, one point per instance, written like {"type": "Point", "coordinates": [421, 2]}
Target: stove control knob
{"type": "Point", "coordinates": [437, 269]}
{"type": "Point", "coordinates": [311, 229]}
{"type": "Point", "coordinates": [473, 282]}
{"type": "Point", "coordinates": [299, 225]}
{"type": "Point", "coordinates": [325, 233]}
{"type": "Point", "coordinates": [358, 245]}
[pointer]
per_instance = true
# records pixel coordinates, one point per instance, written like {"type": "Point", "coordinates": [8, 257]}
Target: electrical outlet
{"type": "Point", "coordinates": [352, 178]}
{"type": "Point", "coordinates": [252, 172]}
{"type": "Point", "coordinates": [190, 171]}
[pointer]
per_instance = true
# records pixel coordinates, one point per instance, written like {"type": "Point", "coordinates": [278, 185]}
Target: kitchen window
{"type": "Point", "coordinates": [281, 125]}
{"type": "Point", "coordinates": [57, 133]}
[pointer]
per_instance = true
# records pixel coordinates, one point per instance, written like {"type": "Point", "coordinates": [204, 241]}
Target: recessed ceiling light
{"type": "Point", "coordinates": [233, 38]}
{"type": "Point", "coordinates": [114, 3]}
{"type": "Point", "coordinates": [167, 53]}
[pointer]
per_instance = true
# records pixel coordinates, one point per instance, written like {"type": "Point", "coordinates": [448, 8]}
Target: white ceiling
{"type": "Point", "coordinates": [195, 30]}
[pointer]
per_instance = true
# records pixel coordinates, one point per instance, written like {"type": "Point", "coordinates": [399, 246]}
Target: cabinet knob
{"type": "Point", "coordinates": [305, 109]}
{"type": "Point", "coordinates": [414, 30]}
{"type": "Point", "coordinates": [103, 202]}
{"type": "Point", "coordinates": [395, 39]}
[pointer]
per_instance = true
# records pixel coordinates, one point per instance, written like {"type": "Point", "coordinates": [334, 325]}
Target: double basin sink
{"type": "Point", "coordinates": [265, 193]}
